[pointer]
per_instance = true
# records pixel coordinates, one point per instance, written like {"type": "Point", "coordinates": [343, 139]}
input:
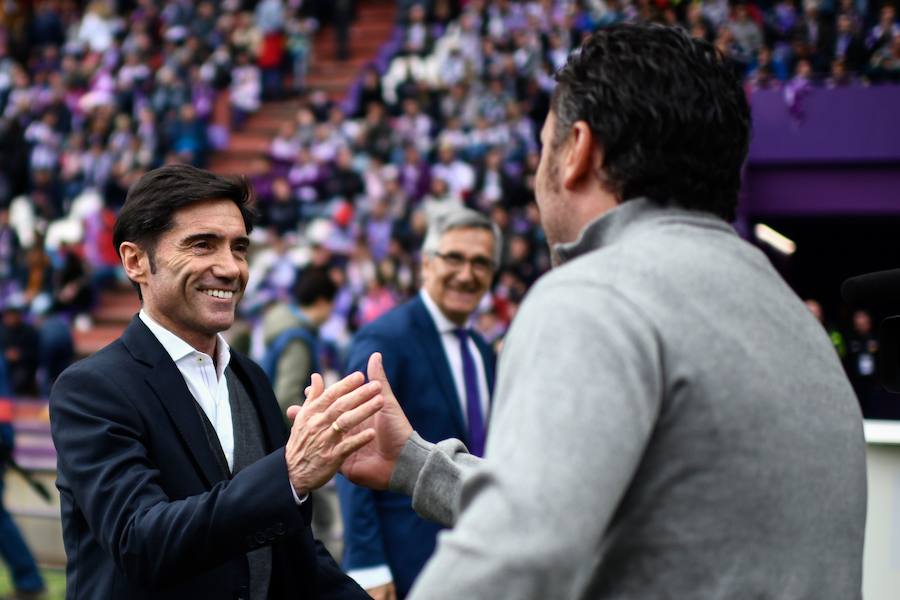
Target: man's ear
{"type": "Point", "coordinates": [135, 262]}
{"type": "Point", "coordinates": [582, 156]}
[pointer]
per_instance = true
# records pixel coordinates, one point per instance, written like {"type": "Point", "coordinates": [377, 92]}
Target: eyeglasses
{"type": "Point", "coordinates": [481, 265]}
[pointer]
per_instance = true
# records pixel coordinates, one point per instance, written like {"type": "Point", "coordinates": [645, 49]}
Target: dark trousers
{"type": "Point", "coordinates": [13, 550]}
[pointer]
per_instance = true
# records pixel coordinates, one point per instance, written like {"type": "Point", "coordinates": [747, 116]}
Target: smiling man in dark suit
{"type": "Point", "coordinates": [446, 372]}
{"type": "Point", "coordinates": [176, 474]}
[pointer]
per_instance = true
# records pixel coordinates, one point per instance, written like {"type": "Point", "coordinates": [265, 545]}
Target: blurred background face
{"type": "Point", "coordinates": [457, 289]}
{"type": "Point", "coordinates": [862, 323]}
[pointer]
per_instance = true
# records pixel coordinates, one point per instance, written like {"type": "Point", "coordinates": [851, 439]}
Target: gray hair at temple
{"type": "Point", "coordinates": [461, 218]}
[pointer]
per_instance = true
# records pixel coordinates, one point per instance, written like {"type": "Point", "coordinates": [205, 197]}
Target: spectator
{"type": "Point", "coordinates": [885, 65]}
{"type": "Point", "coordinates": [72, 291]}
{"type": "Point", "coordinates": [344, 181]}
{"type": "Point", "coordinates": [459, 175]}
{"type": "Point", "coordinates": [440, 201]}
{"type": "Point", "coordinates": [26, 578]}
{"type": "Point", "coordinates": [57, 350]}
{"type": "Point", "coordinates": [847, 45]}
{"type": "Point", "coordinates": [746, 32]}
{"type": "Point", "coordinates": [10, 258]}
{"type": "Point", "coordinates": [840, 76]}
{"type": "Point", "coordinates": [836, 337]}
{"type": "Point", "coordinates": [885, 30]}
{"type": "Point", "coordinates": [187, 137]}
{"type": "Point", "coordinates": [291, 332]}
{"type": "Point", "coordinates": [246, 89]}
{"type": "Point", "coordinates": [286, 144]}
{"type": "Point", "coordinates": [282, 212]}
{"type": "Point", "coordinates": [862, 348]}
{"type": "Point", "coordinates": [20, 345]}
{"type": "Point", "coordinates": [446, 371]}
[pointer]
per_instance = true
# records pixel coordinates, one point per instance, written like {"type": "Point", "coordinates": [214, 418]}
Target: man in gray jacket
{"type": "Point", "coordinates": [670, 421]}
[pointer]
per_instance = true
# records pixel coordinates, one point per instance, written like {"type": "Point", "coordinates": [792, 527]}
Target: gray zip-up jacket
{"type": "Point", "coordinates": [670, 422]}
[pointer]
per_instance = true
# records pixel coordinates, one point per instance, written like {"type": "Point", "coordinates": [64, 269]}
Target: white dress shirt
{"type": "Point", "coordinates": [205, 379]}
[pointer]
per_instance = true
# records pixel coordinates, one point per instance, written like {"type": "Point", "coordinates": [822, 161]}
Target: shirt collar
{"type": "Point", "coordinates": [625, 219]}
{"type": "Point", "coordinates": [443, 324]}
{"type": "Point", "coordinates": [178, 349]}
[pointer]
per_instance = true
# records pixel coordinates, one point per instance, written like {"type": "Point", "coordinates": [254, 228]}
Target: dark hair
{"type": "Point", "coordinates": [667, 110]}
{"type": "Point", "coordinates": [151, 203]}
{"type": "Point", "coordinates": [312, 284]}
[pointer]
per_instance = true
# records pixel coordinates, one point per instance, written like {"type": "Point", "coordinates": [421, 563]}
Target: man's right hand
{"type": "Point", "coordinates": [383, 592]}
{"type": "Point", "coordinates": [372, 466]}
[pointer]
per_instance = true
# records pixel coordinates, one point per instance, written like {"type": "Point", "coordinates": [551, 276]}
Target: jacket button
{"type": "Point", "coordinates": [260, 538]}
{"type": "Point", "coordinates": [279, 528]}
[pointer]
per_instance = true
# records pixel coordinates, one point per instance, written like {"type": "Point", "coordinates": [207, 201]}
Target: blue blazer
{"type": "Point", "coordinates": [147, 511]}
{"type": "Point", "coordinates": [381, 527]}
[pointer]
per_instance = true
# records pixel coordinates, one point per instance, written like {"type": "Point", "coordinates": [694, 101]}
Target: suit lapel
{"type": "Point", "coordinates": [433, 348]}
{"type": "Point", "coordinates": [168, 385]}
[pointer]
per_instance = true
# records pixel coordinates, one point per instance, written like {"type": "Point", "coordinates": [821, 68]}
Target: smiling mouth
{"type": "Point", "coordinates": [223, 294]}
{"type": "Point", "coordinates": [465, 293]}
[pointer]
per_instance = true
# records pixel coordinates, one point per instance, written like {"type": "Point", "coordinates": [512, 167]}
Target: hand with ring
{"type": "Point", "coordinates": [319, 440]}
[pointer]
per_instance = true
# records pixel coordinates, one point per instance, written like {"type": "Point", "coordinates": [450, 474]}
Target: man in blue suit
{"type": "Point", "coordinates": [444, 371]}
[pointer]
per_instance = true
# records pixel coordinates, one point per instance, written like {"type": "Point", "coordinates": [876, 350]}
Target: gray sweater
{"type": "Point", "coordinates": [670, 422]}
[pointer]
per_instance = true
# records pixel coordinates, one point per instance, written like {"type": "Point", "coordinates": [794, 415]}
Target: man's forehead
{"type": "Point", "coordinates": [467, 239]}
{"type": "Point", "coordinates": [212, 215]}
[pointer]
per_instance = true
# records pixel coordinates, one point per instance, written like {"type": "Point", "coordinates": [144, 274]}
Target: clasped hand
{"type": "Point", "coordinates": [369, 465]}
{"type": "Point", "coordinates": [322, 435]}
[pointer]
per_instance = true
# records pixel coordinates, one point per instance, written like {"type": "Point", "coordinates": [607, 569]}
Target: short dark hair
{"type": "Point", "coordinates": [671, 117]}
{"type": "Point", "coordinates": [152, 201]}
{"type": "Point", "coordinates": [312, 284]}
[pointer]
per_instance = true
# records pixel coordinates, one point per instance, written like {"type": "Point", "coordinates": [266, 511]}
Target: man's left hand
{"type": "Point", "coordinates": [320, 436]}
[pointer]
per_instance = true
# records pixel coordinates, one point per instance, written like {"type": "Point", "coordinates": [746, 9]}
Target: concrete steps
{"type": "Point", "coordinates": [114, 311]}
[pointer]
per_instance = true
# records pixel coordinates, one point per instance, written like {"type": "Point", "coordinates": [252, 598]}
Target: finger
{"type": "Point", "coordinates": [376, 372]}
{"type": "Point", "coordinates": [352, 400]}
{"type": "Point", "coordinates": [353, 443]}
{"type": "Point", "coordinates": [321, 401]}
{"type": "Point", "coordinates": [352, 418]}
{"type": "Point", "coordinates": [292, 412]}
{"type": "Point", "coordinates": [316, 386]}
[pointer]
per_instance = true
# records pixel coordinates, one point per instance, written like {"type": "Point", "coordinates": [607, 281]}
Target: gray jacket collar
{"type": "Point", "coordinates": [626, 219]}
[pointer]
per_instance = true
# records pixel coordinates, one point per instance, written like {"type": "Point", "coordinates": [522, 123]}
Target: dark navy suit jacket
{"type": "Point", "coordinates": [147, 511]}
{"type": "Point", "coordinates": [381, 527]}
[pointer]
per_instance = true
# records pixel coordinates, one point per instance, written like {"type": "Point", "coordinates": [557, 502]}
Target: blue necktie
{"type": "Point", "coordinates": [473, 397]}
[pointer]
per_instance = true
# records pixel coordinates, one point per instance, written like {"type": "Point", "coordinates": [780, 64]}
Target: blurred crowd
{"type": "Point", "coordinates": [856, 344]}
{"type": "Point", "coordinates": [94, 94]}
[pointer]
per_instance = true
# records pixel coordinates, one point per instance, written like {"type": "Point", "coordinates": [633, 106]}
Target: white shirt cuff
{"type": "Point", "coordinates": [371, 577]}
{"type": "Point", "coordinates": [297, 498]}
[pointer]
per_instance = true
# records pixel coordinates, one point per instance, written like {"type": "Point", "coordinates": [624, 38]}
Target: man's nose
{"type": "Point", "coordinates": [227, 265]}
{"type": "Point", "coordinates": [466, 272]}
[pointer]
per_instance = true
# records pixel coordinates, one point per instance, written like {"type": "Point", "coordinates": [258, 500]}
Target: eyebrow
{"type": "Point", "coordinates": [196, 237]}
{"type": "Point", "coordinates": [467, 256]}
